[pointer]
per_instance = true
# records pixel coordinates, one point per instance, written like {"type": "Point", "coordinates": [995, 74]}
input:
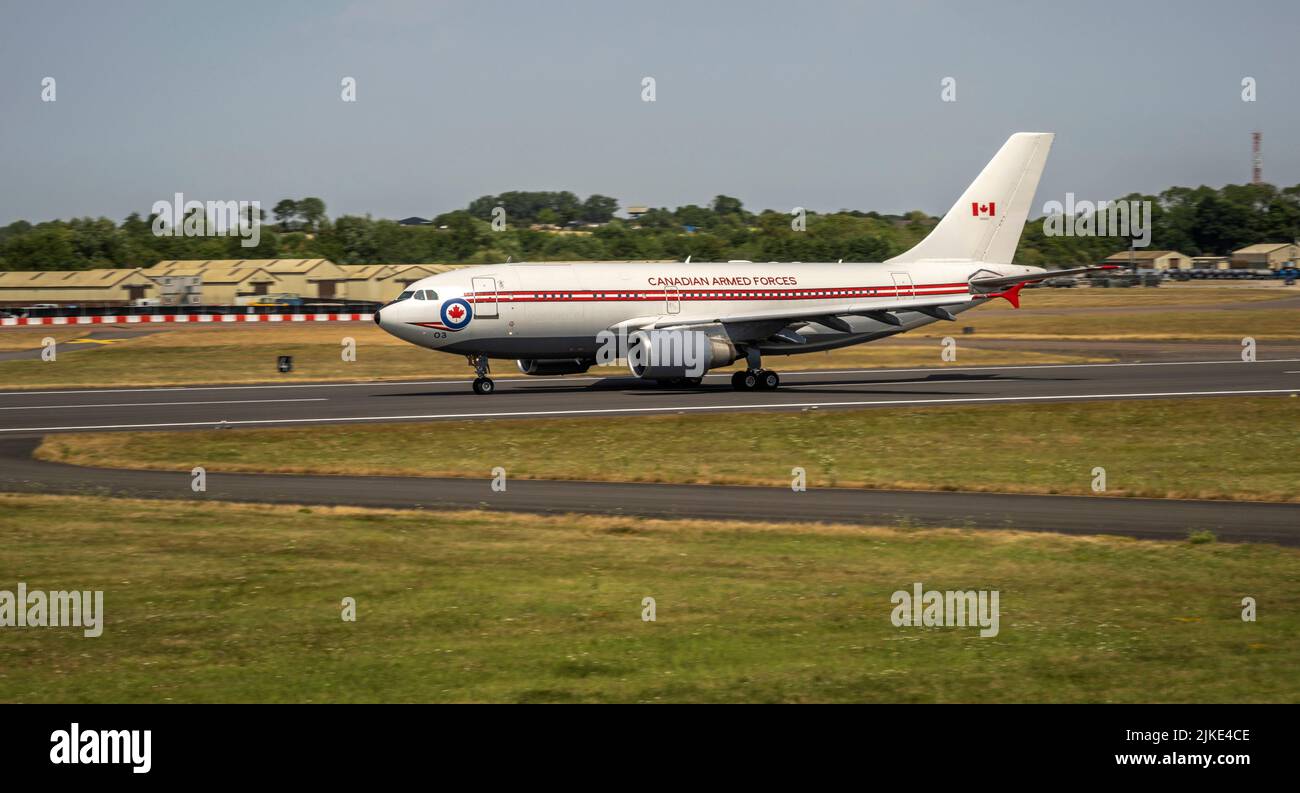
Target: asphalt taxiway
{"type": "Point", "coordinates": [1162, 519]}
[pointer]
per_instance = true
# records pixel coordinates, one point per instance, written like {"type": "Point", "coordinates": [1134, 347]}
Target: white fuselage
{"type": "Point", "coordinates": [545, 311]}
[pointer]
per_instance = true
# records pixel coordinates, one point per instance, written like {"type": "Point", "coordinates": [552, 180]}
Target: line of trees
{"type": "Point", "coordinates": [1201, 221]}
{"type": "Point", "coordinates": [1194, 221]}
{"type": "Point", "coordinates": [555, 208]}
{"type": "Point", "coordinates": [303, 214]}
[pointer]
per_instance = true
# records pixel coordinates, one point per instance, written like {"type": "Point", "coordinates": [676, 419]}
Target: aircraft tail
{"type": "Point", "coordinates": [985, 223]}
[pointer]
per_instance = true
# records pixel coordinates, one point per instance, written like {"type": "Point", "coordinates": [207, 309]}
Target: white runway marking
{"type": "Point", "coordinates": [927, 381]}
{"type": "Point", "coordinates": [156, 404]}
{"type": "Point", "coordinates": [574, 379]}
{"type": "Point", "coordinates": [672, 409]}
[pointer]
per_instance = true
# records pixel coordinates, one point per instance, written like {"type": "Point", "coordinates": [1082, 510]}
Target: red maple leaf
{"type": "Point", "coordinates": [456, 312]}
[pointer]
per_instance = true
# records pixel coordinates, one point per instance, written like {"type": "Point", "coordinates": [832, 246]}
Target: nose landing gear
{"type": "Point", "coordinates": [482, 383]}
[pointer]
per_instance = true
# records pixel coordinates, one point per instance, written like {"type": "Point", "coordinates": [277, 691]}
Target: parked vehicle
{"type": "Point", "coordinates": [1062, 282]}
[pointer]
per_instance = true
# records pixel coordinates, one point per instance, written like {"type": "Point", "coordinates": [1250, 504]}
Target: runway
{"type": "Point", "coordinates": [33, 413]}
{"type": "Point", "coordinates": [1160, 519]}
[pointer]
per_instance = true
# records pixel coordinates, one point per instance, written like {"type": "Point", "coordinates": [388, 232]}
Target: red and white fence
{"type": "Point", "coordinates": [149, 319]}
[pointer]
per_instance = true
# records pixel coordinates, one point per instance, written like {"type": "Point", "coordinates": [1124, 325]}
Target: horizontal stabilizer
{"type": "Point", "coordinates": [1028, 278]}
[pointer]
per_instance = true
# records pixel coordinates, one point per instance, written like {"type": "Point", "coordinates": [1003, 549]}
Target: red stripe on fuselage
{"type": "Point", "coordinates": [697, 295]}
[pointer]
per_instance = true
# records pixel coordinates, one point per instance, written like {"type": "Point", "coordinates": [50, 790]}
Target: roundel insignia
{"type": "Point", "coordinates": [456, 313]}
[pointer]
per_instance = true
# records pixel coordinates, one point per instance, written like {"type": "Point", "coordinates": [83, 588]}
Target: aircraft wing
{"type": "Point", "coordinates": [828, 314]}
{"type": "Point", "coordinates": [825, 313]}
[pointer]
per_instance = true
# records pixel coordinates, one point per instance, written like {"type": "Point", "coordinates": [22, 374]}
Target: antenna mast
{"type": "Point", "coordinates": [1257, 159]}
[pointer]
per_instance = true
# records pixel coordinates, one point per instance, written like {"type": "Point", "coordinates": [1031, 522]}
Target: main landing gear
{"type": "Point", "coordinates": [482, 383]}
{"type": "Point", "coordinates": [761, 380]}
{"type": "Point", "coordinates": [755, 377]}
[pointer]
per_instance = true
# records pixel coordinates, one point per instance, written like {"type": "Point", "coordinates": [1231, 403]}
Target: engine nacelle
{"type": "Point", "coordinates": [541, 367]}
{"type": "Point", "coordinates": [676, 352]}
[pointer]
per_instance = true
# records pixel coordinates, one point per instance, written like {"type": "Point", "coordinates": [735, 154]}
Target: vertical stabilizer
{"type": "Point", "coordinates": [985, 223]}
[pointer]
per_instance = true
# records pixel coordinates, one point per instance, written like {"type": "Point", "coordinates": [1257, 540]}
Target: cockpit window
{"type": "Point", "coordinates": [418, 294]}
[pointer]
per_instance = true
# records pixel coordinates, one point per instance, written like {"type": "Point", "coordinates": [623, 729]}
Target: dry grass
{"type": "Point", "coordinates": [1186, 325]}
{"type": "Point", "coordinates": [12, 339]}
{"type": "Point", "coordinates": [1164, 296]}
{"type": "Point", "coordinates": [212, 602]}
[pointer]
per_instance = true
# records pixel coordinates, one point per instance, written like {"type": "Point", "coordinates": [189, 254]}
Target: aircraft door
{"type": "Point", "coordinates": [485, 296]}
{"type": "Point", "coordinates": [673, 299]}
{"type": "Point", "coordinates": [903, 285]}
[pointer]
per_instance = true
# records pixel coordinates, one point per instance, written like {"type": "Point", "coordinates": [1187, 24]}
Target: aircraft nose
{"type": "Point", "coordinates": [386, 319]}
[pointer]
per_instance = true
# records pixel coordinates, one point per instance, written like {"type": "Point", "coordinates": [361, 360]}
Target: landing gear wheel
{"type": "Point", "coordinates": [768, 380]}
{"type": "Point", "coordinates": [745, 381]}
{"type": "Point", "coordinates": [482, 383]}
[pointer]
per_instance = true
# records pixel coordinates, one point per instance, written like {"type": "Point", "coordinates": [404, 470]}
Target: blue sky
{"type": "Point", "coordinates": [826, 105]}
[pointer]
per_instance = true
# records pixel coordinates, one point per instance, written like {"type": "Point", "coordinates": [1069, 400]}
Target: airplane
{"type": "Point", "coordinates": [559, 318]}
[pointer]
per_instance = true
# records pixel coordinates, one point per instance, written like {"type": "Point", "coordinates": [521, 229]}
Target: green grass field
{"type": "Point", "coordinates": [220, 602]}
{"type": "Point", "coordinates": [1157, 448]}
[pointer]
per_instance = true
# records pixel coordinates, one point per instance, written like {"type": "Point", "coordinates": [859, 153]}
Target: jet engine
{"type": "Point", "coordinates": [678, 353]}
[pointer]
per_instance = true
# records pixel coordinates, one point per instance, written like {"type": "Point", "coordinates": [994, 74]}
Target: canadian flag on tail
{"type": "Point", "coordinates": [983, 210]}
